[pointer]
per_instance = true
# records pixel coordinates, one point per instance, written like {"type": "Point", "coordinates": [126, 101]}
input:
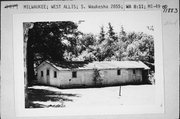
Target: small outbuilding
{"type": "Point", "coordinates": [84, 74]}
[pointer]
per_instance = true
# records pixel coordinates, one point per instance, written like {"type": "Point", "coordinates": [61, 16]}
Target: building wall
{"type": "Point", "coordinates": [85, 77]}
{"type": "Point", "coordinates": [110, 76]}
{"type": "Point", "coordinates": [47, 79]}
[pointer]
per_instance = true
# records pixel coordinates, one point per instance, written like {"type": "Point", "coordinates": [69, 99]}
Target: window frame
{"type": "Point", "coordinates": [118, 72]}
{"type": "Point", "coordinates": [42, 73]}
{"type": "Point", "coordinates": [47, 72]}
{"type": "Point", "coordinates": [74, 74]}
{"type": "Point", "coordinates": [134, 71]}
{"type": "Point", "coordinates": [55, 74]}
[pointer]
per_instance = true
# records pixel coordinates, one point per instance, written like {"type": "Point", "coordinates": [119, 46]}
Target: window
{"type": "Point", "coordinates": [74, 74]}
{"type": "Point", "coordinates": [55, 74]}
{"type": "Point", "coordinates": [47, 72]}
{"type": "Point", "coordinates": [41, 73]}
{"type": "Point", "coordinates": [134, 71]}
{"type": "Point", "coordinates": [118, 72]}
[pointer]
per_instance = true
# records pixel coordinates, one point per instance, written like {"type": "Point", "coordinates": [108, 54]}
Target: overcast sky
{"type": "Point", "coordinates": [131, 21]}
{"type": "Point", "coordinates": [92, 21]}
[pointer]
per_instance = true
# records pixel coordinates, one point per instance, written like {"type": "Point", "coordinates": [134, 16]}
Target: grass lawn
{"type": "Point", "coordinates": [46, 96]}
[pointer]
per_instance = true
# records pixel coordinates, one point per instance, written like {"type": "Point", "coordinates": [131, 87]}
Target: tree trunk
{"type": "Point", "coordinates": [26, 27]}
{"type": "Point", "coordinates": [30, 64]}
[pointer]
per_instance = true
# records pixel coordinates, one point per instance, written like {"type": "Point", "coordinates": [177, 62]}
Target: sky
{"type": "Point", "coordinates": [131, 21]}
{"type": "Point", "coordinates": [136, 21]}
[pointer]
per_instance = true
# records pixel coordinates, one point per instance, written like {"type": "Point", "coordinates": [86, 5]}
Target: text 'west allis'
{"type": "Point", "coordinates": [53, 6]}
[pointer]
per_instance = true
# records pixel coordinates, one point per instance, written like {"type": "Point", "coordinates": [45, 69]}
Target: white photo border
{"type": "Point", "coordinates": [19, 19]}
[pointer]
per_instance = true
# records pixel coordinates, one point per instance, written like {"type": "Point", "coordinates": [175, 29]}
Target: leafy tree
{"type": "Point", "coordinates": [46, 41]}
{"type": "Point", "coordinates": [88, 40]}
{"type": "Point", "coordinates": [126, 46]}
{"type": "Point", "coordinates": [140, 46]}
{"type": "Point", "coordinates": [119, 50]}
{"type": "Point", "coordinates": [97, 77]}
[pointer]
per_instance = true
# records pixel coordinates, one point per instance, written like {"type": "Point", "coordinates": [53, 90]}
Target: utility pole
{"type": "Point", "coordinates": [120, 91]}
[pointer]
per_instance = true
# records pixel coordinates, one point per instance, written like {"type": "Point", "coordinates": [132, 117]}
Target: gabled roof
{"type": "Point", "coordinates": [119, 64]}
{"type": "Point", "coordinates": [99, 65]}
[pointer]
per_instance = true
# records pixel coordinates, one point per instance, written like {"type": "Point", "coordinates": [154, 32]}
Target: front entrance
{"type": "Point", "coordinates": [48, 80]}
{"type": "Point", "coordinates": [145, 76]}
{"type": "Point", "coordinates": [48, 76]}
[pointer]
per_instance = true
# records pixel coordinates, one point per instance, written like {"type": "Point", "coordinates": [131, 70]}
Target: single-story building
{"type": "Point", "coordinates": [83, 74]}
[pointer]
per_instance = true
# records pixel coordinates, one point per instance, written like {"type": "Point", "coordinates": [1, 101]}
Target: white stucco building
{"type": "Point", "coordinates": [81, 74]}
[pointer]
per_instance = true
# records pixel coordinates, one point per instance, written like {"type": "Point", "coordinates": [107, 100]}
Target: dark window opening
{"type": "Point", "coordinates": [134, 71]}
{"type": "Point", "coordinates": [55, 74]}
{"type": "Point", "coordinates": [74, 74]}
{"type": "Point", "coordinates": [41, 73]}
{"type": "Point", "coordinates": [48, 72]}
{"type": "Point", "coordinates": [118, 72]}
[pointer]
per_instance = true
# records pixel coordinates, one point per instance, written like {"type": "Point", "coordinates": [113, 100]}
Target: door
{"type": "Point", "coordinates": [145, 76]}
{"type": "Point", "coordinates": [48, 76]}
{"type": "Point", "coordinates": [125, 75]}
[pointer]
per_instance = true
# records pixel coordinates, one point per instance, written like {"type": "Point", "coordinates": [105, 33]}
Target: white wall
{"type": "Point", "coordinates": [85, 77]}
{"type": "Point", "coordinates": [111, 77]}
{"type": "Point", "coordinates": [44, 80]}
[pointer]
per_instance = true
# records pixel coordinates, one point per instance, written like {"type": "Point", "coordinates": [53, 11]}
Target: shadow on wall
{"type": "Point", "coordinates": [42, 95]}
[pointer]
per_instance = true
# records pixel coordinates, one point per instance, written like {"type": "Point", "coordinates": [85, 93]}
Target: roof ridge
{"type": "Point", "coordinates": [98, 64]}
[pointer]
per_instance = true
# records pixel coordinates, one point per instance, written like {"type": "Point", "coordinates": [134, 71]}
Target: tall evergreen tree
{"type": "Point", "coordinates": [111, 33]}
{"type": "Point", "coordinates": [102, 35]}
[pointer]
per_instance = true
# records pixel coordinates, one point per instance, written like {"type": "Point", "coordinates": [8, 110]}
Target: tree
{"type": "Point", "coordinates": [102, 35]}
{"type": "Point", "coordinates": [88, 40]}
{"type": "Point", "coordinates": [97, 77]}
{"type": "Point", "coordinates": [45, 42]}
{"type": "Point", "coordinates": [122, 32]}
{"type": "Point", "coordinates": [140, 46]}
{"type": "Point", "coordinates": [111, 33]}
{"type": "Point", "coordinates": [119, 50]}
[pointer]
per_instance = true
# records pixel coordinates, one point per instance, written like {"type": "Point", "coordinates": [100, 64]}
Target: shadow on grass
{"type": "Point", "coordinates": [46, 95]}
